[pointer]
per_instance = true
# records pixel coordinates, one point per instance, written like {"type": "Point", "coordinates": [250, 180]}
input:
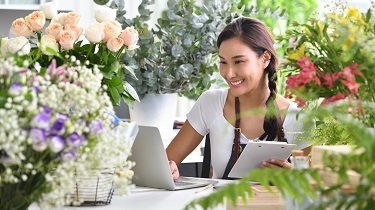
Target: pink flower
{"type": "Point", "coordinates": [36, 20]}
{"type": "Point", "coordinates": [20, 28]}
{"type": "Point", "coordinates": [130, 36]}
{"type": "Point", "coordinates": [68, 37]}
{"type": "Point", "coordinates": [111, 29]}
{"type": "Point", "coordinates": [334, 98]}
{"type": "Point", "coordinates": [351, 85]}
{"type": "Point", "coordinates": [349, 72]}
{"type": "Point", "coordinates": [78, 30]}
{"type": "Point", "coordinates": [329, 79]}
{"type": "Point", "coordinates": [114, 44]}
{"type": "Point", "coordinates": [54, 29]}
{"type": "Point", "coordinates": [72, 18]}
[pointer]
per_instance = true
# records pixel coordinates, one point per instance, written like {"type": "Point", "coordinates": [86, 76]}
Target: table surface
{"type": "Point", "coordinates": [148, 198]}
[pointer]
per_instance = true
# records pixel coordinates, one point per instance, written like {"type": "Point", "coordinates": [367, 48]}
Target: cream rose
{"type": "Point", "coordinates": [4, 47]}
{"type": "Point", "coordinates": [49, 10]}
{"type": "Point", "coordinates": [59, 18]}
{"type": "Point", "coordinates": [95, 32]}
{"type": "Point", "coordinates": [130, 36]}
{"type": "Point", "coordinates": [19, 45]}
{"type": "Point", "coordinates": [36, 20]}
{"type": "Point", "coordinates": [19, 28]}
{"type": "Point", "coordinates": [104, 13]}
{"type": "Point", "coordinates": [74, 28]}
{"type": "Point", "coordinates": [67, 39]}
{"type": "Point", "coordinates": [54, 29]}
{"type": "Point", "coordinates": [111, 29]}
{"type": "Point", "coordinates": [72, 18]}
{"type": "Point", "coordinates": [114, 44]}
{"type": "Point", "coordinates": [48, 41]}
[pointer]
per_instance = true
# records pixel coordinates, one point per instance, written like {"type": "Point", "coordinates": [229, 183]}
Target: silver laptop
{"type": "Point", "coordinates": [152, 168]}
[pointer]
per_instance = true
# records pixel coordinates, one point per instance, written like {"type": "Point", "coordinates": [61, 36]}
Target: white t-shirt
{"type": "Point", "coordinates": [206, 116]}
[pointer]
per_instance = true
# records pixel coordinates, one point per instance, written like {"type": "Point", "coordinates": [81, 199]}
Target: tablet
{"type": "Point", "coordinates": [257, 152]}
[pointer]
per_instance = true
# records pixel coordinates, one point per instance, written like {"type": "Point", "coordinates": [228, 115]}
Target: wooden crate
{"type": "Point", "coordinates": [262, 200]}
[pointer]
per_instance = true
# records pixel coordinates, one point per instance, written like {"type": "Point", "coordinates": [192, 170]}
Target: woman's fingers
{"type": "Point", "coordinates": [174, 170]}
{"type": "Point", "coordinates": [275, 163]}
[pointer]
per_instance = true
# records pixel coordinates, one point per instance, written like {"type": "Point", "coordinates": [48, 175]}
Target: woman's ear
{"type": "Point", "coordinates": [266, 58]}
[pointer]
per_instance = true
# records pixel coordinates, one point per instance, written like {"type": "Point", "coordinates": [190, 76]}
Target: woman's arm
{"type": "Point", "coordinates": [181, 146]}
{"type": "Point", "coordinates": [186, 140]}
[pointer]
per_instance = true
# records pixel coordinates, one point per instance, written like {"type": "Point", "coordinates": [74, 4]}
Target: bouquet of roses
{"type": "Point", "coordinates": [104, 43]}
{"type": "Point", "coordinates": [52, 128]}
{"type": "Point", "coordinates": [332, 59]}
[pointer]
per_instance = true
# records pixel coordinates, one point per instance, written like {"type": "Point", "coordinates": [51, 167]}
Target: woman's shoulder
{"type": "Point", "coordinates": [214, 94]}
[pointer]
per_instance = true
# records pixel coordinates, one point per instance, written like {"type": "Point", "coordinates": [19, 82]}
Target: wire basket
{"type": "Point", "coordinates": [95, 189]}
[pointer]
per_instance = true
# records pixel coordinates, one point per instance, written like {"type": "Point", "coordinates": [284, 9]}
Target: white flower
{"type": "Point", "coordinates": [95, 32]}
{"type": "Point", "coordinates": [59, 18]}
{"type": "Point", "coordinates": [49, 10]}
{"type": "Point", "coordinates": [19, 45]}
{"type": "Point", "coordinates": [104, 13]}
{"type": "Point", "coordinates": [48, 41]}
{"type": "Point", "coordinates": [4, 47]}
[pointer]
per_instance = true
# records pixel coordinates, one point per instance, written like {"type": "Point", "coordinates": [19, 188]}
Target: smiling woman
{"type": "Point", "coordinates": [249, 110]}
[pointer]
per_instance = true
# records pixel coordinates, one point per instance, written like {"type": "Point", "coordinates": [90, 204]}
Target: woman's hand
{"type": "Point", "coordinates": [174, 170]}
{"type": "Point", "coordinates": [276, 163]}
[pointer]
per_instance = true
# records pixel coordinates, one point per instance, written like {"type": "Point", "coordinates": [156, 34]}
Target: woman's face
{"type": "Point", "coordinates": [241, 67]}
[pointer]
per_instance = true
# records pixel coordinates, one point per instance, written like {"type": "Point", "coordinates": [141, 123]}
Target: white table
{"type": "Point", "coordinates": [150, 199]}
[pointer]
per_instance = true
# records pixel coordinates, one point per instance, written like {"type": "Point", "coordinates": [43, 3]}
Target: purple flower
{"type": "Point", "coordinates": [68, 156]}
{"type": "Point", "coordinates": [15, 89]}
{"type": "Point", "coordinates": [58, 127]}
{"type": "Point", "coordinates": [38, 137]}
{"type": "Point", "coordinates": [47, 110]}
{"type": "Point", "coordinates": [96, 127]}
{"type": "Point", "coordinates": [41, 120]}
{"type": "Point", "coordinates": [56, 143]}
{"type": "Point", "coordinates": [74, 139]}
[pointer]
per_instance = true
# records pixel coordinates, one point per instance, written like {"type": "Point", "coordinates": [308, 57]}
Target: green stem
{"type": "Point", "coordinates": [89, 52]}
{"type": "Point", "coordinates": [120, 52]}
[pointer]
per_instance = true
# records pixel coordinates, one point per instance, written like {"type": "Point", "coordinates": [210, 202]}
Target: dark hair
{"type": "Point", "coordinates": [256, 35]}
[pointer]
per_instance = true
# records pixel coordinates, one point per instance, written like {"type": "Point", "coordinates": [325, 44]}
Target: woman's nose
{"type": "Point", "coordinates": [230, 73]}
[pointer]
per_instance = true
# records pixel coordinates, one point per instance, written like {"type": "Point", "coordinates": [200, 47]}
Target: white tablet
{"type": "Point", "coordinates": [257, 152]}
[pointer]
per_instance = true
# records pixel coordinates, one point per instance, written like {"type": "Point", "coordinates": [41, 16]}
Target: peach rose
{"type": "Point", "coordinates": [54, 29]}
{"type": "Point", "coordinates": [36, 20]}
{"type": "Point", "coordinates": [95, 32]}
{"type": "Point", "coordinates": [48, 41]}
{"type": "Point", "coordinates": [67, 39]}
{"type": "Point", "coordinates": [111, 29]}
{"type": "Point", "coordinates": [114, 44]}
{"type": "Point", "coordinates": [75, 28]}
{"type": "Point", "coordinates": [19, 28]}
{"type": "Point", "coordinates": [130, 36]}
{"type": "Point", "coordinates": [72, 18]}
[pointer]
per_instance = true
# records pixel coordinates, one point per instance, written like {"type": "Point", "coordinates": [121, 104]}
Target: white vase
{"type": "Point", "coordinates": [157, 110]}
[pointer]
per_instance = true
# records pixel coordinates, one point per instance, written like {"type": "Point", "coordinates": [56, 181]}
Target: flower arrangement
{"type": "Point", "coordinates": [53, 128]}
{"type": "Point", "coordinates": [332, 59]}
{"type": "Point", "coordinates": [104, 43]}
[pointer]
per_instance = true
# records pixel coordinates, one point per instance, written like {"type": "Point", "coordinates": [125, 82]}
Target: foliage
{"type": "Point", "coordinates": [52, 128]}
{"type": "Point", "coordinates": [307, 182]}
{"type": "Point", "coordinates": [332, 59]}
{"type": "Point", "coordinates": [180, 54]}
{"type": "Point", "coordinates": [102, 46]}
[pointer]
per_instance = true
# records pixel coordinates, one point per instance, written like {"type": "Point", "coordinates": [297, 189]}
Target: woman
{"type": "Point", "coordinates": [248, 64]}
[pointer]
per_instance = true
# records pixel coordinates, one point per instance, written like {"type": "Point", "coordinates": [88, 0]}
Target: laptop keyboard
{"type": "Point", "coordinates": [179, 183]}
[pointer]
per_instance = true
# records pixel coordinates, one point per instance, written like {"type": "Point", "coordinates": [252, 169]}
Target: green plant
{"type": "Point", "coordinates": [180, 54]}
{"type": "Point", "coordinates": [296, 183]}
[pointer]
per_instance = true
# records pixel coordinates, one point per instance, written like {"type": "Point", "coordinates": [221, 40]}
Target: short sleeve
{"type": "Point", "coordinates": [206, 109]}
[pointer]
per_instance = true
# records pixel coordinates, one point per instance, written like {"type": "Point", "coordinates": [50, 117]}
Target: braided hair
{"type": "Point", "coordinates": [256, 35]}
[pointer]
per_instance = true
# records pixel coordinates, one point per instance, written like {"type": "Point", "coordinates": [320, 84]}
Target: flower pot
{"type": "Point", "coordinates": [157, 110]}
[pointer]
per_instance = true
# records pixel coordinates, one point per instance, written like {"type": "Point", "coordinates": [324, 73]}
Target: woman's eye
{"type": "Point", "coordinates": [223, 62]}
{"type": "Point", "coordinates": [238, 62]}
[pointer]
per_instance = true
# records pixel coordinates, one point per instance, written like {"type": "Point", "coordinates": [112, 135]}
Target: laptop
{"type": "Point", "coordinates": [151, 164]}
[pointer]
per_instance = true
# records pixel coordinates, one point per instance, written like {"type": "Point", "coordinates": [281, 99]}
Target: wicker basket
{"type": "Point", "coordinates": [94, 190]}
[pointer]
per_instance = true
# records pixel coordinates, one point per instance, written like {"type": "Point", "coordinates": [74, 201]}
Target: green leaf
{"type": "Point", "coordinates": [114, 95]}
